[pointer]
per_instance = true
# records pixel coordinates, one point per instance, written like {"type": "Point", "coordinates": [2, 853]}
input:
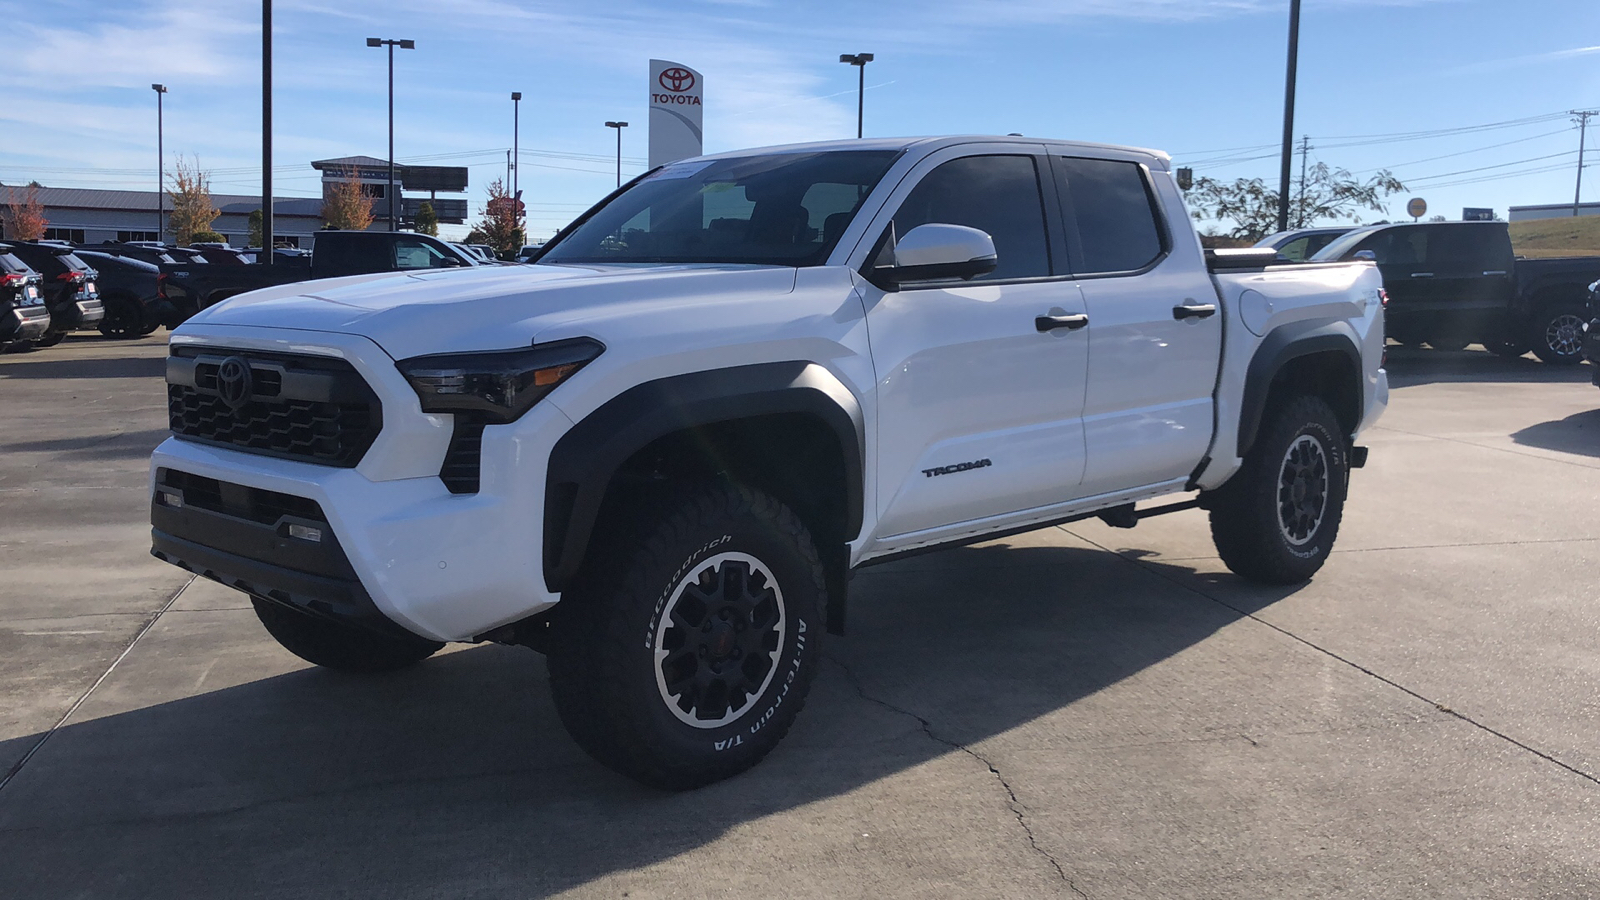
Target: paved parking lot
{"type": "Point", "coordinates": [1076, 712]}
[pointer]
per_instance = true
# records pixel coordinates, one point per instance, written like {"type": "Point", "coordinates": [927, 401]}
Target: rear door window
{"type": "Point", "coordinates": [415, 254]}
{"type": "Point", "coordinates": [1297, 249]}
{"type": "Point", "coordinates": [998, 195]}
{"type": "Point", "coordinates": [1115, 223]}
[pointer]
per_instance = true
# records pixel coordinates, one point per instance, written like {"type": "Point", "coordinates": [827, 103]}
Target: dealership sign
{"type": "Point", "coordinates": [677, 94]}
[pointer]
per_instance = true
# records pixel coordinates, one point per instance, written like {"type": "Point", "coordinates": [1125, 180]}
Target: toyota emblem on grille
{"type": "Point", "coordinates": [233, 382]}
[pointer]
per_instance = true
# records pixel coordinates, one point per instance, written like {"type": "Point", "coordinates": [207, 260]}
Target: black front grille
{"type": "Point", "coordinates": [309, 408]}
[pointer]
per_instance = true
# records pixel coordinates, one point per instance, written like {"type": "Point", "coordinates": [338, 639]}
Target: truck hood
{"type": "Point", "coordinates": [488, 307]}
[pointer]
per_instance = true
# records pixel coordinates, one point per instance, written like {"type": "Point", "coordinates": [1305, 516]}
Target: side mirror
{"type": "Point", "coordinates": [1367, 255]}
{"type": "Point", "coordinates": [937, 252]}
{"type": "Point", "coordinates": [450, 262]}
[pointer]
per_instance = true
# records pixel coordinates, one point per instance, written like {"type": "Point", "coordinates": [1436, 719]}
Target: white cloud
{"type": "Point", "coordinates": [182, 39]}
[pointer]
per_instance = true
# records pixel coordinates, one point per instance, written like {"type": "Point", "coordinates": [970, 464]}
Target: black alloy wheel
{"type": "Point", "coordinates": [123, 318]}
{"type": "Point", "coordinates": [1558, 334]}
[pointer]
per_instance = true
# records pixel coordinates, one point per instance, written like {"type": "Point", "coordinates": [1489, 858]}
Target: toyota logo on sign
{"type": "Point", "coordinates": [233, 382]}
{"type": "Point", "coordinates": [676, 79]}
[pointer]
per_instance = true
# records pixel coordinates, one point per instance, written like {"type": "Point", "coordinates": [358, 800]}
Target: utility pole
{"type": "Point", "coordinates": [161, 166]}
{"type": "Point", "coordinates": [1300, 204]}
{"type": "Point", "coordinates": [394, 207]}
{"type": "Point", "coordinates": [1288, 115]}
{"type": "Point", "coordinates": [1583, 131]}
{"type": "Point", "coordinates": [266, 134]}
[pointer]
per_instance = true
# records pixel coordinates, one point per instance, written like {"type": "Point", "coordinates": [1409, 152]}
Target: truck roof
{"type": "Point", "coordinates": [1157, 159]}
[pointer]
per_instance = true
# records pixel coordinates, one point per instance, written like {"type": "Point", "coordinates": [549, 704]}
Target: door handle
{"type": "Point", "coordinates": [1051, 323]}
{"type": "Point", "coordinates": [1198, 311]}
{"type": "Point", "coordinates": [1421, 274]}
{"type": "Point", "coordinates": [1496, 272]}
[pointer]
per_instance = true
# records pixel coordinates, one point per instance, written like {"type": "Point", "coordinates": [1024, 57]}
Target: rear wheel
{"type": "Point", "coordinates": [50, 338]}
{"type": "Point", "coordinates": [123, 318]}
{"type": "Point", "coordinates": [1276, 519]}
{"type": "Point", "coordinates": [334, 645]}
{"type": "Point", "coordinates": [1557, 334]}
{"type": "Point", "coordinates": [723, 584]}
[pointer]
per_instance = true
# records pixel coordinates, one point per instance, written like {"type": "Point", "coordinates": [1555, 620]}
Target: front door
{"type": "Point", "coordinates": [979, 402]}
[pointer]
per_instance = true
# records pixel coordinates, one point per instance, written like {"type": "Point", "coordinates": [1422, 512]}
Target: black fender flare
{"type": "Point", "coordinates": [1281, 346]}
{"type": "Point", "coordinates": [586, 458]}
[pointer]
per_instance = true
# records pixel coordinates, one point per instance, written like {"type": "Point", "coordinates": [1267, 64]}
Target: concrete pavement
{"type": "Point", "coordinates": [1079, 711]}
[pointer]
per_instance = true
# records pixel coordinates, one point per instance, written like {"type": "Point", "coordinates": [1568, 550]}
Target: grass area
{"type": "Point", "coordinates": [1557, 237]}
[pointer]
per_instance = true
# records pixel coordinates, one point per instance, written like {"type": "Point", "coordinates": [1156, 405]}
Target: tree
{"type": "Point", "coordinates": [191, 202]}
{"type": "Point", "coordinates": [1325, 193]}
{"type": "Point", "coordinates": [500, 226]}
{"type": "Point", "coordinates": [23, 217]}
{"type": "Point", "coordinates": [258, 231]}
{"type": "Point", "coordinates": [346, 207]}
{"type": "Point", "coordinates": [427, 220]}
{"type": "Point", "coordinates": [475, 236]}
{"type": "Point", "coordinates": [209, 237]}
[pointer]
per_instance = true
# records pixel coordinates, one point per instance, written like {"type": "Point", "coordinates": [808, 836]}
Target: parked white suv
{"type": "Point", "coordinates": [657, 454]}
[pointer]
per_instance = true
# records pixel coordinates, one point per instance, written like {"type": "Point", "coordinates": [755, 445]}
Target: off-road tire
{"type": "Point", "coordinates": [672, 585]}
{"type": "Point", "coordinates": [1557, 334]}
{"type": "Point", "coordinates": [345, 648]}
{"type": "Point", "coordinates": [1265, 527]}
{"type": "Point", "coordinates": [123, 318]}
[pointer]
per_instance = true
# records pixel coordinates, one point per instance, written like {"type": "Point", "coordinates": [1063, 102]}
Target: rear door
{"type": "Point", "coordinates": [1155, 340]}
{"type": "Point", "coordinates": [979, 405]}
{"type": "Point", "coordinates": [1472, 276]}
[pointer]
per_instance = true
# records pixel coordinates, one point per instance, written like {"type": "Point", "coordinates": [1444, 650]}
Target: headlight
{"type": "Point", "coordinates": [498, 385]}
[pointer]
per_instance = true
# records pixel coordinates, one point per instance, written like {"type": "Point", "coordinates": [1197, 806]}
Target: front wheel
{"type": "Point", "coordinates": [334, 645]}
{"type": "Point", "coordinates": [1557, 334]}
{"type": "Point", "coordinates": [1276, 519]}
{"type": "Point", "coordinates": [687, 648]}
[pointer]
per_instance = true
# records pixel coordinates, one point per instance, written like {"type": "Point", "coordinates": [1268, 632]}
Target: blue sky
{"type": "Point", "coordinates": [1193, 78]}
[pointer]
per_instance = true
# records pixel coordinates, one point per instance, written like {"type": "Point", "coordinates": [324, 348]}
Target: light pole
{"type": "Point", "coordinates": [161, 164]}
{"type": "Point", "coordinates": [618, 126]}
{"type": "Point", "coordinates": [394, 213]}
{"type": "Point", "coordinates": [516, 134]}
{"type": "Point", "coordinates": [1288, 116]}
{"type": "Point", "coordinates": [267, 240]}
{"type": "Point", "coordinates": [859, 60]}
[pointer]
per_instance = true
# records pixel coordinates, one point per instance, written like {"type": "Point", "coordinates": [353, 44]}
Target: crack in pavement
{"type": "Point", "coordinates": [1017, 808]}
{"type": "Point", "coordinates": [1441, 707]}
{"type": "Point", "coordinates": [143, 630]}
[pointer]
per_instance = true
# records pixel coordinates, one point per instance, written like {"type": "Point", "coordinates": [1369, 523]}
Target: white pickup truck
{"type": "Point", "coordinates": [657, 453]}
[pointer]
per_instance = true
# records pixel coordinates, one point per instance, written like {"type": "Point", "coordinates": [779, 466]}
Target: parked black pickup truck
{"type": "Point", "coordinates": [190, 288]}
{"type": "Point", "coordinates": [1455, 283]}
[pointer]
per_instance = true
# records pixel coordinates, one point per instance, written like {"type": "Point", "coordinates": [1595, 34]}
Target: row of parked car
{"type": "Point", "coordinates": [51, 288]}
{"type": "Point", "coordinates": [1451, 284]}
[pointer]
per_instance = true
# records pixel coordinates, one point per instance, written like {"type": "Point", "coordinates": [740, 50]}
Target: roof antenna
{"type": "Point", "coordinates": [1014, 134]}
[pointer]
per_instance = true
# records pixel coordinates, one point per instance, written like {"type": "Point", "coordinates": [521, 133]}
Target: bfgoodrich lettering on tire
{"type": "Point", "coordinates": [1276, 519]}
{"type": "Point", "coordinates": [687, 647]}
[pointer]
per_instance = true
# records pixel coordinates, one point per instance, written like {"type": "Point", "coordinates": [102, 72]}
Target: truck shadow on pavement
{"type": "Point", "coordinates": [455, 778]}
{"type": "Point", "coordinates": [1577, 433]}
{"type": "Point", "coordinates": [1412, 366]}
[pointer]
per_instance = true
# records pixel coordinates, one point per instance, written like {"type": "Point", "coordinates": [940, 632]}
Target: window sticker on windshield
{"type": "Point", "coordinates": [679, 171]}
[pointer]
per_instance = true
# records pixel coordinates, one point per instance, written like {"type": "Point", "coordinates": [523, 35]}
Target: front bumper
{"type": "Point", "coordinates": [444, 566]}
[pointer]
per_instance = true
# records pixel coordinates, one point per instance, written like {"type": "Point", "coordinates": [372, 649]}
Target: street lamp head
{"type": "Point", "coordinates": [408, 45]}
{"type": "Point", "coordinates": [159, 88]}
{"type": "Point", "coordinates": [616, 124]}
{"type": "Point", "coordinates": [516, 95]}
{"type": "Point", "coordinates": [374, 42]}
{"type": "Point", "coordinates": [855, 59]}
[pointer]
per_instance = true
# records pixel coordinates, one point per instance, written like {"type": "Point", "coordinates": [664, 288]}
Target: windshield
{"type": "Point", "coordinates": [783, 210]}
{"type": "Point", "coordinates": [1342, 245]}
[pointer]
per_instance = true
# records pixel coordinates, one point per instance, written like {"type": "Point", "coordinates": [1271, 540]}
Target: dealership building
{"type": "Point", "coordinates": [87, 216]}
